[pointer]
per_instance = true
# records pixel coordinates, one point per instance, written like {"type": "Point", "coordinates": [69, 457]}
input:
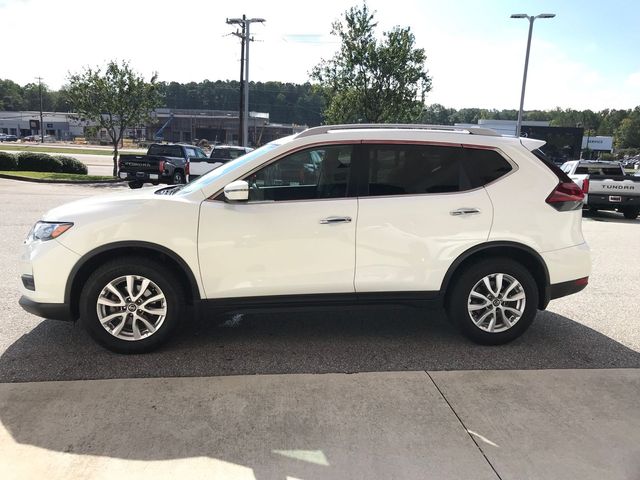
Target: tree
{"type": "Point", "coordinates": [628, 133]}
{"type": "Point", "coordinates": [115, 100]}
{"type": "Point", "coordinates": [370, 80]}
{"type": "Point", "coordinates": [11, 96]}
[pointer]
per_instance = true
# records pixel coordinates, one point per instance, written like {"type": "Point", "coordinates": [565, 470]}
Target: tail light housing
{"type": "Point", "coordinates": [566, 196]}
{"type": "Point", "coordinates": [161, 166]}
{"type": "Point", "coordinates": [585, 186]}
{"type": "Point", "coordinates": [186, 168]}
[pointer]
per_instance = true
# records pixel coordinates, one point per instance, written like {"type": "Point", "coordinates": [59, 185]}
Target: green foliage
{"type": "Point", "coordinates": [115, 99]}
{"type": "Point", "coordinates": [38, 162]}
{"type": "Point", "coordinates": [43, 162]}
{"type": "Point", "coordinates": [8, 161]}
{"type": "Point", "coordinates": [72, 165]}
{"type": "Point", "coordinates": [628, 132]}
{"type": "Point", "coordinates": [371, 80]}
{"type": "Point", "coordinates": [11, 96]}
{"type": "Point", "coordinates": [300, 104]}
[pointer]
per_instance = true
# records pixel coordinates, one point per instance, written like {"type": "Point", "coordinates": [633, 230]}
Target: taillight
{"type": "Point", "coordinates": [566, 196]}
{"type": "Point", "coordinates": [186, 168]}
{"type": "Point", "coordinates": [161, 166]}
{"type": "Point", "coordinates": [585, 186]}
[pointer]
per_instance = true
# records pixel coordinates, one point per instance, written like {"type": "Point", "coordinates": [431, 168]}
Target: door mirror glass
{"type": "Point", "coordinates": [237, 191]}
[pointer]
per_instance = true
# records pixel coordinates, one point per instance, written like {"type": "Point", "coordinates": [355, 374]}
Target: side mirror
{"type": "Point", "coordinates": [237, 191]}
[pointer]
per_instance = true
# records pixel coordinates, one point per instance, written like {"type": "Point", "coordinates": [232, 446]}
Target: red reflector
{"type": "Point", "coordinates": [585, 186]}
{"type": "Point", "coordinates": [582, 281]}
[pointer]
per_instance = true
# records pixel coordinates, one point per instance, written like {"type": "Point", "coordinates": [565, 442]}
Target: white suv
{"type": "Point", "coordinates": [333, 215]}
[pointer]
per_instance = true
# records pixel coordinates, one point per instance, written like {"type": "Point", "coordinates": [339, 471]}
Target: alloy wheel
{"type": "Point", "coordinates": [496, 302]}
{"type": "Point", "coordinates": [131, 307]}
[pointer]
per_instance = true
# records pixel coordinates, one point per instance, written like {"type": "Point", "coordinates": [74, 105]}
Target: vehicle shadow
{"type": "Point", "coordinates": [341, 340]}
{"type": "Point", "coordinates": [606, 216]}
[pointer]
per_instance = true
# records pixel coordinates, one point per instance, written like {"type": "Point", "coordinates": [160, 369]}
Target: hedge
{"type": "Point", "coordinates": [41, 162]}
{"type": "Point", "coordinates": [8, 161]}
{"type": "Point", "coordinates": [72, 165]}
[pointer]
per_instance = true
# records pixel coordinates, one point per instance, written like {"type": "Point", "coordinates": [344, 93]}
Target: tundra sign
{"type": "Point", "coordinates": [598, 143]}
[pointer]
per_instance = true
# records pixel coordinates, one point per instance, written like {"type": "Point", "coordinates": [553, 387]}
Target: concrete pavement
{"type": "Point", "coordinates": [411, 425]}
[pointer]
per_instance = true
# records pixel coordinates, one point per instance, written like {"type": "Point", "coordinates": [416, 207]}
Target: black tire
{"type": "Point", "coordinates": [135, 184]}
{"type": "Point", "coordinates": [631, 213]}
{"type": "Point", "coordinates": [178, 178]}
{"type": "Point", "coordinates": [163, 277]}
{"type": "Point", "coordinates": [460, 289]}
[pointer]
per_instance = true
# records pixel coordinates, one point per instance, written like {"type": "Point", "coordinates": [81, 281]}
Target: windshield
{"type": "Point", "coordinates": [227, 167]}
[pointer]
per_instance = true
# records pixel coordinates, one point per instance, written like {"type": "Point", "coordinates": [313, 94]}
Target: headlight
{"type": "Point", "coordinates": [47, 230]}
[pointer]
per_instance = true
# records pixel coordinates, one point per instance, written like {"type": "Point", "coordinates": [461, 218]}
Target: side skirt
{"type": "Point", "coordinates": [288, 303]}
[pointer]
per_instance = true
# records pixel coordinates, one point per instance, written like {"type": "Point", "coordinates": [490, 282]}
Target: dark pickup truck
{"type": "Point", "coordinates": [163, 163]}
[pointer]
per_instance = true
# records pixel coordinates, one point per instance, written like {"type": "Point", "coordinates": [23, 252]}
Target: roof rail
{"type": "Point", "coordinates": [404, 126]}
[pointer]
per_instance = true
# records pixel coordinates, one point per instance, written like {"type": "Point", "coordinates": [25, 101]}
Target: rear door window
{"type": "Point", "coordinates": [431, 169]}
{"type": "Point", "coordinates": [415, 169]}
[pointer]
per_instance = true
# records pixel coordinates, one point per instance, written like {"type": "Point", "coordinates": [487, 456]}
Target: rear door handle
{"type": "Point", "coordinates": [330, 220]}
{"type": "Point", "coordinates": [461, 212]}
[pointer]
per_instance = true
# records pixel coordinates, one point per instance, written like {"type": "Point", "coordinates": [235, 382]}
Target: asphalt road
{"type": "Point", "coordinates": [598, 328]}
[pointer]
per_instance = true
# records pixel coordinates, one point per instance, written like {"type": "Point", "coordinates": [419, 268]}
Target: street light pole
{"type": "Point", "coordinates": [531, 19]}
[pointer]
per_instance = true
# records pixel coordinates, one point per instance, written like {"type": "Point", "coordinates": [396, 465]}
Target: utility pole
{"type": "Point", "coordinates": [244, 22]}
{"type": "Point", "coordinates": [41, 123]}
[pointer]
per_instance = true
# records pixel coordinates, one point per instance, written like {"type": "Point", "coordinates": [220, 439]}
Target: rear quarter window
{"type": "Point", "coordinates": [484, 166]}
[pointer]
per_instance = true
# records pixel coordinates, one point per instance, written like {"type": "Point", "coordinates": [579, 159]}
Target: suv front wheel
{"type": "Point", "coordinates": [493, 301]}
{"type": "Point", "coordinates": [131, 305]}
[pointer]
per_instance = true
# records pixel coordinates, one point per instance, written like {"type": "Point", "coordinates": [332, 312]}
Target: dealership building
{"type": "Point", "coordinates": [563, 143]}
{"type": "Point", "coordinates": [62, 126]}
{"type": "Point", "coordinates": [170, 125]}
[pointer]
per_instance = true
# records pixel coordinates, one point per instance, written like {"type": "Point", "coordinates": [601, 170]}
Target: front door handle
{"type": "Point", "coordinates": [461, 212]}
{"type": "Point", "coordinates": [330, 220]}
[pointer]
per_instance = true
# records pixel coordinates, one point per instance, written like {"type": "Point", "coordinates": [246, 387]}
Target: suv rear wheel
{"type": "Point", "coordinates": [493, 301]}
{"type": "Point", "coordinates": [631, 213]}
{"type": "Point", "coordinates": [131, 305]}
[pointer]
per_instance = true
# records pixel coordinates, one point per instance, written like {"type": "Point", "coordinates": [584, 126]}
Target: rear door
{"type": "Point", "coordinates": [420, 208]}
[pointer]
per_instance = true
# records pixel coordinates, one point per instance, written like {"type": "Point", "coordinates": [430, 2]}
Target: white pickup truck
{"type": "Point", "coordinates": [605, 186]}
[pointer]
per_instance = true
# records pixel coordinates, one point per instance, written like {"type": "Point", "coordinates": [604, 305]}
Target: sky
{"type": "Point", "coordinates": [586, 57]}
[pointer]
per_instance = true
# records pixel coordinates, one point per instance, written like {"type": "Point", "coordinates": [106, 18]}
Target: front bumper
{"type": "Point", "coordinates": [54, 311]}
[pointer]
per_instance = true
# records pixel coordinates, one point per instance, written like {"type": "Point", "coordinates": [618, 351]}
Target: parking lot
{"type": "Point", "coordinates": [594, 331]}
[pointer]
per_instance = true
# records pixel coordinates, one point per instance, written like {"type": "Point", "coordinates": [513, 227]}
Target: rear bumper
{"type": "Point", "coordinates": [54, 311]}
{"type": "Point", "coordinates": [153, 177]}
{"type": "Point", "coordinates": [563, 289]}
{"type": "Point", "coordinates": [603, 202]}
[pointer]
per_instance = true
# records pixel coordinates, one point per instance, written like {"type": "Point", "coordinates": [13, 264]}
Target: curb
{"type": "Point", "coordinates": [67, 182]}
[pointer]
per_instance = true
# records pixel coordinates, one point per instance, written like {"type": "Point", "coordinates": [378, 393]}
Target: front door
{"type": "Point", "coordinates": [295, 235]}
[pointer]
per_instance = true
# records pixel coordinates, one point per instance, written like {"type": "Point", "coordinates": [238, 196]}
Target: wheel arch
{"type": "Point", "coordinates": [93, 259]}
{"type": "Point", "coordinates": [523, 254]}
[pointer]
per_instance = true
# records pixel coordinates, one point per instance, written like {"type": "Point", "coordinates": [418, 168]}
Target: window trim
{"type": "Point", "coordinates": [365, 170]}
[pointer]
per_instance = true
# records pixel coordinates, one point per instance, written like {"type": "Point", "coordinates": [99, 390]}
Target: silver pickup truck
{"type": "Point", "coordinates": [606, 187]}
